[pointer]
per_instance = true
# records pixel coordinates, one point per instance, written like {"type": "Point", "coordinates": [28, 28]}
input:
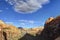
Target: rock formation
{"type": "Point", "coordinates": [2, 25]}
{"type": "Point", "coordinates": [8, 32]}
{"type": "Point", "coordinates": [51, 29]}
{"type": "Point", "coordinates": [49, 20]}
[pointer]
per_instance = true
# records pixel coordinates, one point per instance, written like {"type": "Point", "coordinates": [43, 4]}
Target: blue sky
{"type": "Point", "coordinates": [30, 19]}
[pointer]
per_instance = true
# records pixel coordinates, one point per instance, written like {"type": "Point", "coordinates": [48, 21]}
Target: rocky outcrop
{"type": "Point", "coordinates": [34, 31]}
{"type": "Point", "coordinates": [8, 32]}
{"type": "Point", "coordinates": [2, 36]}
{"type": "Point", "coordinates": [49, 20]}
{"type": "Point", "coordinates": [51, 29]}
{"type": "Point", "coordinates": [2, 24]}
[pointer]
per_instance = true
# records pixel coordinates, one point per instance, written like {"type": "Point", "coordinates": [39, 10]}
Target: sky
{"type": "Point", "coordinates": [28, 13]}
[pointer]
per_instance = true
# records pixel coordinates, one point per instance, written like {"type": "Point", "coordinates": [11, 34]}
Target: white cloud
{"type": "Point", "coordinates": [1, 11]}
{"type": "Point", "coordinates": [32, 22]}
{"type": "Point", "coordinates": [9, 22]}
{"type": "Point", "coordinates": [27, 21]}
{"type": "Point", "coordinates": [22, 20]}
{"type": "Point", "coordinates": [27, 6]}
{"type": "Point", "coordinates": [22, 23]}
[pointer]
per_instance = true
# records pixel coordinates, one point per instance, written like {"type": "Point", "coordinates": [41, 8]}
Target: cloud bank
{"type": "Point", "coordinates": [27, 21]}
{"type": "Point", "coordinates": [27, 6]}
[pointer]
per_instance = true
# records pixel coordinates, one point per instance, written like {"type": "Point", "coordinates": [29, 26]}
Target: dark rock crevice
{"type": "Point", "coordinates": [5, 36]}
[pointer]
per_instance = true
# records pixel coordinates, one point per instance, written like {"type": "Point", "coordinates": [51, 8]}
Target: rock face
{"type": "Point", "coordinates": [51, 29]}
{"type": "Point", "coordinates": [2, 25]}
{"type": "Point", "coordinates": [34, 31]}
{"type": "Point", "coordinates": [8, 32]}
{"type": "Point", "coordinates": [49, 20]}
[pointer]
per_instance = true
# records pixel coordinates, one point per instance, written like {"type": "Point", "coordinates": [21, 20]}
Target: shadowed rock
{"type": "Point", "coordinates": [5, 35]}
{"type": "Point", "coordinates": [27, 37]}
{"type": "Point", "coordinates": [51, 30]}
